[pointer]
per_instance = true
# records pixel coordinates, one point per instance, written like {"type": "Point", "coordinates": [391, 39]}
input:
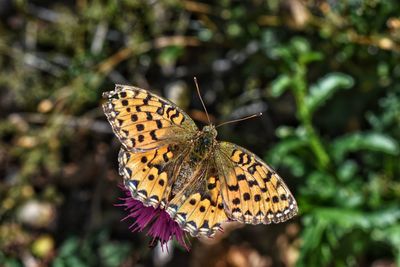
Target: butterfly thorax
{"type": "Point", "coordinates": [201, 149]}
{"type": "Point", "coordinates": [203, 143]}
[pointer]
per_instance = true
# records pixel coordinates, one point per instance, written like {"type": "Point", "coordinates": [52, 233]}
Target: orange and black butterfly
{"type": "Point", "coordinates": [167, 162]}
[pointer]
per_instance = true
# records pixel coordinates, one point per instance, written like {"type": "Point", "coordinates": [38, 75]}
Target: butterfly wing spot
{"type": "Point", "coordinates": [213, 186]}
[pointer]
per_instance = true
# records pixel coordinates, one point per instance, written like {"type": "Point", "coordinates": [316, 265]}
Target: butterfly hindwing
{"type": "Point", "coordinates": [199, 210]}
{"type": "Point", "coordinates": [146, 173]}
{"type": "Point", "coordinates": [252, 191]}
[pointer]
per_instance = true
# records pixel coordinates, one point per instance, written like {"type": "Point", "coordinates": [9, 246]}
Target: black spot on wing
{"type": "Point", "coordinates": [241, 155]}
{"type": "Point", "coordinates": [134, 117]}
{"type": "Point", "coordinates": [241, 177]}
{"type": "Point", "coordinates": [140, 127]}
{"type": "Point", "coordinates": [153, 135]}
{"type": "Point", "coordinates": [160, 111]}
{"type": "Point", "coordinates": [140, 138]}
{"type": "Point", "coordinates": [169, 110]}
{"type": "Point", "coordinates": [211, 186]}
{"type": "Point", "coordinates": [268, 177]}
{"type": "Point", "coordinates": [253, 183]}
{"type": "Point", "coordinates": [233, 187]}
{"type": "Point", "coordinates": [165, 157]}
{"type": "Point", "coordinates": [236, 201]}
{"type": "Point", "coordinates": [176, 115]}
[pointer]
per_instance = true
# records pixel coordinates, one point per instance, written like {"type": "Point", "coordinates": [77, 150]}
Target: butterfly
{"type": "Point", "coordinates": [168, 163]}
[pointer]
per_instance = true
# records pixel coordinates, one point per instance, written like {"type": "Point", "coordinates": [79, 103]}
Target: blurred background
{"type": "Point", "coordinates": [325, 74]}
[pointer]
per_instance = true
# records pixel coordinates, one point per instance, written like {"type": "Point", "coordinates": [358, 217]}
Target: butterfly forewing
{"type": "Point", "coordinates": [252, 191]}
{"type": "Point", "coordinates": [143, 121]}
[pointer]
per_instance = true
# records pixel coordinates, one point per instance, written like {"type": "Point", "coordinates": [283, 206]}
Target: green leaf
{"type": "Point", "coordinates": [393, 235]}
{"type": "Point", "coordinates": [326, 87]}
{"type": "Point", "coordinates": [310, 57]}
{"type": "Point", "coordinates": [69, 247]}
{"type": "Point", "coordinates": [280, 84]}
{"type": "Point", "coordinates": [319, 185]}
{"type": "Point", "coordinates": [347, 170]}
{"type": "Point", "coordinates": [329, 227]}
{"type": "Point", "coordinates": [312, 237]}
{"type": "Point", "coordinates": [283, 53]}
{"type": "Point", "coordinates": [300, 45]}
{"type": "Point", "coordinates": [295, 165]}
{"type": "Point", "coordinates": [284, 148]}
{"type": "Point", "coordinates": [364, 141]}
{"type": "Point", "coordinates": [348, 218]}
{"type": "Point", "coordinates": [114, 253]}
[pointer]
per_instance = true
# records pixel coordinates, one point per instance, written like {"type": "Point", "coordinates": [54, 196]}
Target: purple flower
{"type": "Point", "coordinates": [162, 227]}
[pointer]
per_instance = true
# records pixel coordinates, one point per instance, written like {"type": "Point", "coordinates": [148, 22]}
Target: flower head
{"type": "Point", "coordinates": [162, 227]}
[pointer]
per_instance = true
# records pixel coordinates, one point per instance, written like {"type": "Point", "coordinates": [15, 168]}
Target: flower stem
{"type": "Point", "coordinates": [305, 117]}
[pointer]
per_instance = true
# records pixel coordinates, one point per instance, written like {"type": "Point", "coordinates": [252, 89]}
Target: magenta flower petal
{"type": "Point", "coordinates": [161, 226]}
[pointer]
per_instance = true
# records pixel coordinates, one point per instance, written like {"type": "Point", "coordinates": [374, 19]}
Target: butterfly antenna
{"type": "Point", "coordinates": [241, 119]}
{"type": "Point", "coordinates": [201, 99]}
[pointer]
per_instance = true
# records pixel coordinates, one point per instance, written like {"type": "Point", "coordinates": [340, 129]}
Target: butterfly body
{"type": "Point", "coordinates": [203, 144]}
{"type": "Point", "coordinates": [167, 162]}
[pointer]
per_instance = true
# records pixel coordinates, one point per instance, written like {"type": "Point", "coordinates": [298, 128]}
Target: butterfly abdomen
{"type": "Point", "coordinates": [199, 152]}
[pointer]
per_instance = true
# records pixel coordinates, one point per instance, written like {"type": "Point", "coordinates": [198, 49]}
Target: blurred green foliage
{"type": "Point", "coordinates": [326, 75]}
{"type": "Point", "coordinates": [345, 184]}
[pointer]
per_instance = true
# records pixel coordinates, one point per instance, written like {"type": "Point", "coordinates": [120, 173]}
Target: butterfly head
{"type": "Point", "coordinates": [209, 131]}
